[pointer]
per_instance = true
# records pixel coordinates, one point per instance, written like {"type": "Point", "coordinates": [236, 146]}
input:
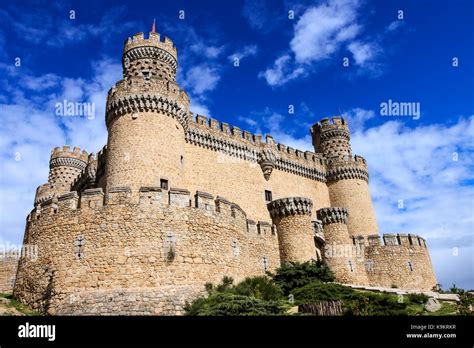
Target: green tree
{"type": "Point", "coordinates": [293, 275]}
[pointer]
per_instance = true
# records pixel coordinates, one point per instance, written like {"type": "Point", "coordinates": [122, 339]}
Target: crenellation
{"type": "Point", "coordinates": [119, 195]}
{"type": "Point", "coordinates": [390, 239]}
{"type": "Point", "coordinates": [252, 227]}
{"type": "Point", "coordinates": [374, 240]}
{"type": "Point", "coordinates": [236, 132]}
{"type": "Point", "coordinates": [204, 200]}
{"type": "Point", "coordinates": [214, 124]}
{"type": "Point", "coordinates": [153, 195]}
{"type": "Point", "coordinates": [179, 197]}
{"type": "Point", "coordinates": [202, 120]}
{"type": "Point", "coordinates": [226, 129]}
{"type": "Point", "coordinates": [68, 200]}
{"type": "Point", "coordinates": [248, 136]}
{"type": "Point", "coordinates": [264, 228]}
{"type": "Point", "coordinates": [92, 198]}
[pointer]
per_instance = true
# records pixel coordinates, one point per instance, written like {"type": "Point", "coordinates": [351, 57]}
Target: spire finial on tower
{"type": "Point", "coordinates": [153, 28]}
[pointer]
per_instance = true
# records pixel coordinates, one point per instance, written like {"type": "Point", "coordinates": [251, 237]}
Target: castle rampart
{"type": "Point", "coordinates": [402, 261]}
{"type": "Point", "coordinates": [86, 273]}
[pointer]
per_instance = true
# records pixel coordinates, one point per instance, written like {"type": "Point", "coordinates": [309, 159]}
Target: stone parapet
{"type": "Point", "coordinates": [144, 102]}
{"type": "Point", "coordinates": [333, 215]}
{"type": "Point", "coordinates": [290, 206]}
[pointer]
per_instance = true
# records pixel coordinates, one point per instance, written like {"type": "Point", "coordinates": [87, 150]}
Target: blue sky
{"type": "Point", "coordinates": [426, 162]}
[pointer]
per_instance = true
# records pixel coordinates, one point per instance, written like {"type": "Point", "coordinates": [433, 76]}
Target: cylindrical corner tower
{"type": "Point", "coordinates": [147, 115]}
{"type": "Point", "coordinates": [64, 167]}
{"type": "Point", "coordinates": [292, 217]}
{"type": "Point", "coordinates": [342, 255]}
{"type": "Point", "coordinates": [347, 176]}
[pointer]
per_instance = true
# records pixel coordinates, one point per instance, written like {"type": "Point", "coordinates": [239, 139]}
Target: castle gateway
{"type": "Point", "coordinates": [172, 202]}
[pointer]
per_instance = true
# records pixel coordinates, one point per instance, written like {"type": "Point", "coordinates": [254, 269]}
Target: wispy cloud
{"type": "Point", "coordinates": [246, 51]}
{"type": "Point", "coordinates": [282, 71]}
{"type": "Point", "coordinates": [201, 79]}
{"type": "Point", "coordinates": [394, 25]}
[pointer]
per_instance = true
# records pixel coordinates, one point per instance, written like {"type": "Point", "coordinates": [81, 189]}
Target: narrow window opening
{"type": "Point", "coordinates": [268, 196]}
{"type": "Point", "coordinates": [164, 184]}
{"type": "Point", "coordinates": [351, 268]}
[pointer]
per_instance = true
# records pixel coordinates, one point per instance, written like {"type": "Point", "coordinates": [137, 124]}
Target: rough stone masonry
{"type": "Point", "coordinates": [175, 201]}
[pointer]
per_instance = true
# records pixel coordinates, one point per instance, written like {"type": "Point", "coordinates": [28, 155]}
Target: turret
{"type": "Point", "coordinates": [292, 217]}
{"type": "Point", "coordinates": [146, 116]}
{"type": "Point", "coordinates": [332, 139]}
{"type": "Point", "coordinates": [64, 167]}
{"type": "Point", "coordinates": [347, 177]}
{"type": "Point", "coordinates": [343, 256]}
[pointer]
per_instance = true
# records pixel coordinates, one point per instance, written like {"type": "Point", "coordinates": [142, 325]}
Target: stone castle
{"type": "Point", "coordinates": [175, 201]}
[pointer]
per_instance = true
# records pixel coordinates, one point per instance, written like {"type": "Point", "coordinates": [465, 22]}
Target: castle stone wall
{"type": "Point", "coordinates": [137, 258]}
{"type": "Point", "coordinates": [8, 268]}
{"type": "Point", "coordinates": [403, 262]}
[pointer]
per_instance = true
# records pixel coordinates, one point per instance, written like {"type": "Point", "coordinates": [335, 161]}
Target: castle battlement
{"type": "Point", "coordinates": [149, 198]}
{"type": "Point", "coordinates": [65, 152]}
{"type": "Point", "coordinates": [154, 40]}
{"type": "Point", "coordinates": [395, 239]}
{"type": "Point", "coordinates": [327, 124]}
{"type": "Point", "coordinates": [231, 140]}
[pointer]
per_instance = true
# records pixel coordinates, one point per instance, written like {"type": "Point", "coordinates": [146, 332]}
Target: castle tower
{"type": "Point", "coordinates": [64, 167]}
{"type": "Point", "coordinates": [343, 256]}
{"type": "Point", "coordinates": [146, 117]}
{"type": "Point", "coordinates": [347, 176]}
{"type": "Point", "coordinates": [292, 217]}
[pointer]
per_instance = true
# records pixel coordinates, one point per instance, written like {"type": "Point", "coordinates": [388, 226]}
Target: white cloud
{"type": "Point", "coordinates": [362, 52]}
{"type": "Point", "coordinates": [357, 118]}
{"type": "Point", "coordinates": [319, 34]}
{"type": "Point", "coordinates": [31, 130]}
{"type": "Point", "coordinates": [209, 51]}
{"type": "Point", "coordinates": [322, 29]}
{"type": "Point", "coordinates": [201, 79]}
{"type": "Point", "coordinates": [197, 107]}
{"type": "Point", "coordinates": [416, 166]}
{"type": "Point", "coordinates": [246, 51]}
{"type": "Point", "coordinates": [40, 83]}
{"type": "Point", "coordinates": [283, 70]}
{"type": "Point", "coordinates": [394, 25]}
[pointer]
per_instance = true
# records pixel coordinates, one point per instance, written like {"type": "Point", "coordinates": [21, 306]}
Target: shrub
{"type": "Point", "coordinates": [293, 275]}
{"type": "Point", "coordinates": [253, 296]}
{"type": "Point", "coordinates": [418, 298]}
{"type": "Point", "coordinates": [262, 288]}
{"type": "Point", "coordinates": [354, 302]}
{"type": "Point", "coordinates": [228, 304]}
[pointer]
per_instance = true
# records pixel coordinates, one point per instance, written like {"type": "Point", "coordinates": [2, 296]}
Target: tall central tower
{"type": "Point", "coordinates": [146, 117]}
{"type": "Point", "coordinates": [347, 176]}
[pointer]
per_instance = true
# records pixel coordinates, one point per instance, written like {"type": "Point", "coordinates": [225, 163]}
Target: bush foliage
{"type": "Point", "coordinates": [307, 283]}
{"type": "Point", "coordinates": [293, 275]}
